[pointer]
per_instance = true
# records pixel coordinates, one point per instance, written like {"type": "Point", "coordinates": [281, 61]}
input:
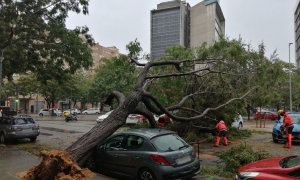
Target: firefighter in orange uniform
{"type": "Point", "coordinates": [288, 125]}
{"type": "Point", "coordinates": [221, 132]}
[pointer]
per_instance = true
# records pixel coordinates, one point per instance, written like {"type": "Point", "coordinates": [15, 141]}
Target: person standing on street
{"type": "Point", "coordinates": [288, 125]}
{"type": "Point", "coordinates": [221, 132]}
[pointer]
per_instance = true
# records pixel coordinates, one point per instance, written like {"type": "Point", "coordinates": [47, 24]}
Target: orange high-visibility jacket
{"type": "Point", "coordinates": [221, 126]}
{"type": "Point", "coordinates": [287, 121]}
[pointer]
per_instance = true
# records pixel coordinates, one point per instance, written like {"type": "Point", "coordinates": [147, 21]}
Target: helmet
{"type": "Point", "coordinates": [280, 111]}
{"type": "Point", "coordinates": [222, 121]}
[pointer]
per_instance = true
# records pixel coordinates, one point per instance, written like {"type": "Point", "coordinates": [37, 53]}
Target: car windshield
{"type": "Point", "coordinates": [289, 162]}
{"type": "Point", "coordinates": [169, 142]}
{"type": "Point", "coordinates": [295, 118]}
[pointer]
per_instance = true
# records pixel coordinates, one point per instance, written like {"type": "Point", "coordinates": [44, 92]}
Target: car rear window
{"type": "Point", "coordinates": [20, 121]}
{"type": "Point", "coordinates": [169, 142]}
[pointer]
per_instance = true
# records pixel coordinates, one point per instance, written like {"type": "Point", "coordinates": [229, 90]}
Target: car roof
{"type": "Point", "coordinates": [147, 132]}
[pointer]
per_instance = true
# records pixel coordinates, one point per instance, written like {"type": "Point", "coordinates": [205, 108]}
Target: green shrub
{"type": "Point", "coordinates": [239, 156]}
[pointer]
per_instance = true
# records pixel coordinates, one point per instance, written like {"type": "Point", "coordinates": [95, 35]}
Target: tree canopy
{"type": "Point", "coordinates": [33, 37]}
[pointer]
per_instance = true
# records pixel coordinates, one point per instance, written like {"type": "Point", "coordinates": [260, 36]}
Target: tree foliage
{"type": "Point", "coordinates": [117, 74]}
{"type": "Point", "coordinates": [33, 37]}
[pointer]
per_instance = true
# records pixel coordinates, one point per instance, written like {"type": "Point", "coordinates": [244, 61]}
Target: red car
{"type": "Point", "coordinates": [265, 115]}
{"type": "Point", "coordinates": [275, 168]}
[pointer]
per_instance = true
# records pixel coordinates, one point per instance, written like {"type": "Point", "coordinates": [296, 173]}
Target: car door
{"type": "Point", "coordinates": [107, 155]}
{"type": "Point", "coordinates": [131, 157]}
{"type": "Point", "coordinates": [46, 112]}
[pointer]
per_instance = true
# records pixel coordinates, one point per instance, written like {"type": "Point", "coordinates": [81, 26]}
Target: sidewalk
{"type": "Point", "coordinates": [13, 161]}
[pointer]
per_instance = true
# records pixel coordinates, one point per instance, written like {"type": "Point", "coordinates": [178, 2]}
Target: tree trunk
{"type": "Point", "coordinates": [83, 147]}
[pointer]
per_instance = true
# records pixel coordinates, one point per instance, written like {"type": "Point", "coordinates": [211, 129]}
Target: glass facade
{"type": "Point", "coordinates": [165, 30]}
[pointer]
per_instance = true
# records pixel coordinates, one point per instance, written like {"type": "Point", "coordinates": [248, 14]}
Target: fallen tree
{"type": "Point", "coordinates": [83, 148]}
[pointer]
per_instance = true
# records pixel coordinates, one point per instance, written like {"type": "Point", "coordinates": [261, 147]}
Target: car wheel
{"type": "Point", "coordinates": [146, 174]}
{"type": "Point", "coordinates": [2, 139]}
{"type": "Point", "coordinates": [33, 139]}
{"type": "Point", "coordinates": [40, 114]}
{"type": "Point", "coordinates": [85, 113]}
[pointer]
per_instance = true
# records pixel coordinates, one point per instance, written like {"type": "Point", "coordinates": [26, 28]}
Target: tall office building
{"type": "Point", "coordinates": [297, 33]}
{"type": "Point", "coordinates": [169, 26]}
{"type": "Point", "coordinates": [207, 23]}
{"type": "Point", "coordinates": [176, 23]}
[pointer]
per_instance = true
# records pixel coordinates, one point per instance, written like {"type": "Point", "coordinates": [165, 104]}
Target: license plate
{"type": "Point", "coordinates": [183, 160]}
{"type": "Point", "coordinates": [27, 130]}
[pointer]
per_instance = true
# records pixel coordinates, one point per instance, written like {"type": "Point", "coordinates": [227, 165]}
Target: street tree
{"type": "Point", "coordinates": [115, 73]}
{"type": "Point", "coordinates": [34, 38]}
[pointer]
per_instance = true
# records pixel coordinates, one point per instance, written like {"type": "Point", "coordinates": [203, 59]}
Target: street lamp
{"type": "Point", "coordinates": [290, 78]}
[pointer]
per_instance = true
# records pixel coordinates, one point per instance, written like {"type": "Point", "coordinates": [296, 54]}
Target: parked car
{"type": "Point", "coordinates": [264, 114]}
{"type": "Point", "coordinates": [147, 154]}
{"type": "Point", "coordinates": [274, 168]}
{"type": "Point", "coordinates": [18, 127]}
{"type": "Point", "coordinates": [73, 111]}
{"type": "Point", "coordinates": [281, 136]}
{"type": "Point", "coordinates": [134, 119]}
{"type": "Point", "coordinates": [48, 112]}
{"type": "Point", "coordinates": [103, 116]}
{"type": "Point", "coordinates": [238, 122]}
{"type": "Point", "coordinates": [91, 111]}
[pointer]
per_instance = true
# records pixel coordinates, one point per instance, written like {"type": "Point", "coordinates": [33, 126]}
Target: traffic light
{"type": "Point", "coordinates": [17, 100]}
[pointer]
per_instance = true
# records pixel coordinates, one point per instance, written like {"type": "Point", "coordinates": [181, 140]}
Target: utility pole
{"type": "Point", "coordinates": [290, 79]}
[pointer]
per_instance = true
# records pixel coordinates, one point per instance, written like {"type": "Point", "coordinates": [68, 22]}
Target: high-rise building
{"type": "Point", "coordinates": [207, 23]}
{"type": "Point", "coordinates": [169, 26]}
{"type": "Point", "coordinates": [297, 33]}
{"type": "Point", "coordinates": [176, 23]}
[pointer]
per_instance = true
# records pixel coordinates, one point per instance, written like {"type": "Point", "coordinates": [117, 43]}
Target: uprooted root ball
{"type": "Point", "coordinates": [56, 165]}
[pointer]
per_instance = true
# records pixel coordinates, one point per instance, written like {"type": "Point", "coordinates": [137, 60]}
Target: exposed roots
{"type": "Point", "coordinates": [56, 165]}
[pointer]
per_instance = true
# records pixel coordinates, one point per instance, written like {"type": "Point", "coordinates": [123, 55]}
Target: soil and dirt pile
{"type": "Point", "coordinates": [56, 165]}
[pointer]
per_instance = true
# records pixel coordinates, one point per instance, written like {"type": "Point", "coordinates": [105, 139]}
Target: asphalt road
{"type": "Point", "coordinates": [58, 134]}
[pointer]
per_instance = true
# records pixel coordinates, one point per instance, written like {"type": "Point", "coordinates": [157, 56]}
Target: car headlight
{"type": "Point", "coordinates": [246, 175]}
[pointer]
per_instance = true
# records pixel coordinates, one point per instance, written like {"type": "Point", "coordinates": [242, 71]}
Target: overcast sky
{"type": "Point", "coordinates": [117, 22]}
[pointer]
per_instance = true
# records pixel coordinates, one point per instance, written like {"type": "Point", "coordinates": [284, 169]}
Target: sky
{"type": "Point", "coordinates": [117, 22]}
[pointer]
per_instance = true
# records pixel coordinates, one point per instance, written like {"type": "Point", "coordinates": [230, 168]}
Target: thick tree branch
{"type": "Point", "coordinates": [147, 114]}
{"type": "Point", "coordinates": [115, 94]}
{"type": "Point", "coordinates": [187, 119]}
{"type": "Point", "coordinates": [177, 74]}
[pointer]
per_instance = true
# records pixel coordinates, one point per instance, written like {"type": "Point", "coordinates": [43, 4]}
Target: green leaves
{"type": "Point", "coordinates": [34, 38]}
{"type": "Point", "coordinates": [114, 74]}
